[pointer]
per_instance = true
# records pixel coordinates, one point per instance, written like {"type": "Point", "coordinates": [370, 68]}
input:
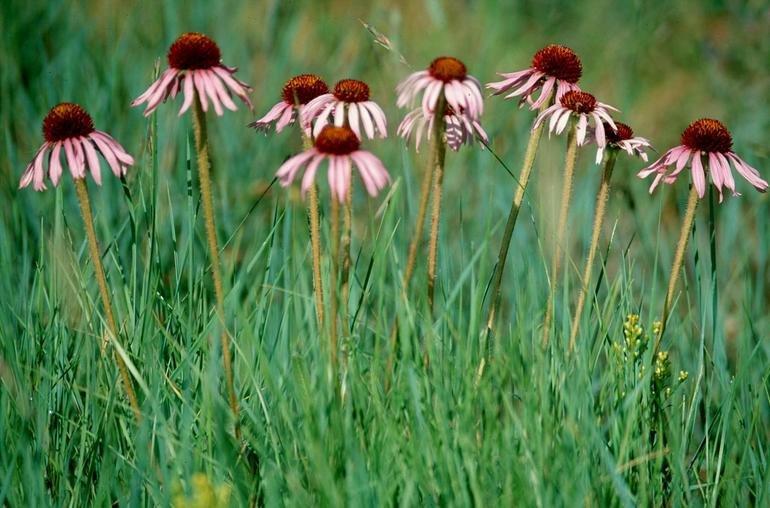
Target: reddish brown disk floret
{"type": "Point", "coordinates": [303, 89]}
{"type": "Point", "coordinates": [579, 102]}
{"type": "Point", "coordinates": [559, 62]}
{"type": "Point", "coordinates": [624, 132]}
{"type": "Point", "coordinates": [447, 68]}
{"type": "Point", "coordinates": [194, 51]}
{"type": "Point", "coordinates": [66, 120]}
{"type": "Point", "coordinates": [351, 90]}
{"type": "Point", "coordinates": [337, 141]}
{"type": "Point", "coordinates": [707, 135]}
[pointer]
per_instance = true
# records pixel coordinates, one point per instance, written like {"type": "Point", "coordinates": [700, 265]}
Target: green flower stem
{"type": "Point", "coordinates": [101, 280]}
{"type": "Point", "coordinates": [676, 267]}
{"type": "Point", "coordinates": [204, 174]}
{"type": "Point", "coordinates": [602, 196]}
{"type": "Point", "coordinates": [518, 198]}
{"type": "Point", "coordinates": [561, 229]}
{"type": "Point", "coordinates": [437, 161]}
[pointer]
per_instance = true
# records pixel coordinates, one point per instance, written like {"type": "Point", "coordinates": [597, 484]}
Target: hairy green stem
{"type": "Point", "coordinates": [101, 280]}
{"type": "Point", "coordinates": [204, 174]}
{"type": "Point", "coordinates": [559, 249]}
{"type": "Point", "coordinates": [602, 196]}
{"type": "Point", "coordinates": [513, 215]}
{"type": "Point", "coordinates": [438, 158]}
{"type": "Point", "coordinates": [676, 267]}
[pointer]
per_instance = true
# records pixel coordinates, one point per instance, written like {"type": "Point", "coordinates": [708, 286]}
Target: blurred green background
{"type": "Point", "coordinates": [663, 64]}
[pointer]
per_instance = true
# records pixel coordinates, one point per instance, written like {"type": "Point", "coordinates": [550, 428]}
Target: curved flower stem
{"type": "Point", "coordinates": [561, 229]}
{"type": "Point", "coordinates": [422, 211]}
{"type": "Point", "coordinates": [101, 280]}
{"type": "Point", "coordinates": [204, 174]}
{"type": "Point", "coordinates": [333, 287]}
{"type": "Point", "coordinates": [602, 196]}
{"type": "Point", "coordinates": [676, 267]}
{"type": "Point", "coordinates": [315, 247]}
{"type": "Point", "coordinates": [347, 224]}
{"type": "Point", "coordinates": [439, 155]}
{"type": "Point", "coordinates": [518, 198]}
{"type": "Point", "coordinates": [315, 241]}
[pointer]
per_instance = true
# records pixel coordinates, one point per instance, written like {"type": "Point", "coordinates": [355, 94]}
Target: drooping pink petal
{"type": "Point", "coordinates": [378, 115]}
{"type": "Point", "coordinates": [309, 177]}
{"type": "Point", "coordinates": [286, 118]}
{"type": "Point", "coordinates": [221, 91]}
{"type": "Point", "coordinates": [289, 169]}
{"type": "Point", "coordinates": [368, 124]}
{"type": "Point", "coordinates": [749, 173]}
{"type": "Point", "coordinates": [72, 160]}
{"type": "Point", "coordinates": [200, 86]}
{"type": "Point", "coordinates": [239, 88]}
{"type": "Point", "coordinates": [108, 153]}
{"type": "Point", "coordinates": [116, 147]}
{"type": "Point", "coordinates": [93, 161]}
{"type": "Point", "coordinates": [339, 114]}
{"type": "Point", "coordinates": [430, 97]}
{"type": "Point", "coordinates": [363, 171]}
{"type": "Point", "coordinates": [189, 94]}
{"type": "Point", "coordinates": [39, 171]}
{"type": "Point", "coordinates": [54, 164]}
{"type": "Point", "coordinates": [727, 175]}
{"type": "Point", "coordinates": [698, 178]}
{"type": "Point", "coordinates": [322, 120]}
{"type": "Point", "coordinates": [601, 139]}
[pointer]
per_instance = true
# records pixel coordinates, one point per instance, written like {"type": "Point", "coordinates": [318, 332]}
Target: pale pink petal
{"type": "Point", "coordinates": [363, 170]}
{"type": "Point", "coordinates": [289, 169]}
{"type": "Point", "coordinates": [54, 164]}
{"type": "Point", "coordinates": [239, 88]}
{"type": "Point", "coordinates": [309, 176]}
{"type": "Point", "coordinates": [75, 168]}
{"type": "Point", "coordinates": [563, 120]}
{"type": "Point", "coordinates": [727, 175]}
{"type": "Point", "coordinates": [367, 121]}
{"type": "Point", "coordinates": [345, 167]}
{"type": "Point", "coordinates": [189, 94]}
{"type": "Point", "coordinates": [430, 98]}
{"type": "Point", "coordinates": [39, 171]}
{"type": "Point", "coordinates": [286, 118]}
{"type": "Point", "coordinates": [378, 115]}
{"type": "Point", "coordinates": [353, 119]}
{"type": "Point", "coordinates": [93, 161]}
{"type": "Point", "coordinates": [159, 83]}
{"type": "Point", "coordinates": [200, 86]}
{"type": "Point", "coordinates": [222, 93]}
{"type": "Point", "coordinates": [108, 153]}
{"type": "Point", "coordinates": [582, 128]}
{"type": "Point", "coordinates": [698, 177]}
{"type": "Point", "coordinates": [323, 119]}
{"type": "Point", "coordinates": [749, 173]}
{"type": "Point", "coordinates": [601, 140]}
{"type": "Point", "coordinates": [116, 147]}
{"type": "Point", "coordinates": [339, 114]}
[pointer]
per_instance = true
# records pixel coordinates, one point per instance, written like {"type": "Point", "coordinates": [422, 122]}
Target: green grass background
{"type": "Point", "coordinates": [536, 428]}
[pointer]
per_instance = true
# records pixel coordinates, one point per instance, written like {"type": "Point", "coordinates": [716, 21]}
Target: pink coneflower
{"type": "Point", "coordinates": [341, 147]}
{"type": "Point", "coordinates": [445, 75]}
{"type": "Point", "coordinates": [348, 104]}
{"type": "Point", "coordinates": [69, 127]}
{"type": "Point", "coordinates": [704, 138]}
{"type": "Point", "coordinates": [459, 129]}
{"type": "Point", "coordinates": [553, 67]}
{"type": "Point", "coordinates": [623, 138]}
{"type": "Point", "coordinates": [585, 108]}
{"type": "Point", "coordinates": [194, 62]}
{"type": "Point", "coordinates": [296, 94]}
